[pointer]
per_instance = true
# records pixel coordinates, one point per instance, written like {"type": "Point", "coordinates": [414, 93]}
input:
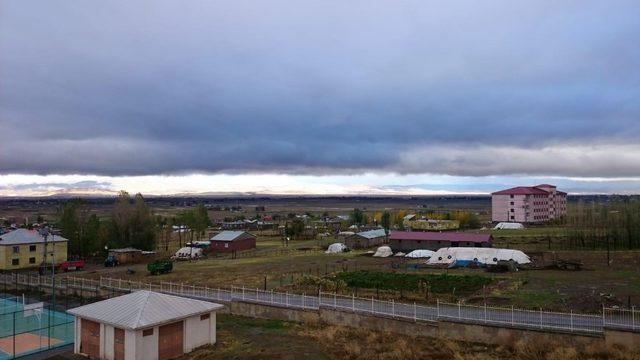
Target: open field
{"type": "Point", "coordinates": [246, 338]}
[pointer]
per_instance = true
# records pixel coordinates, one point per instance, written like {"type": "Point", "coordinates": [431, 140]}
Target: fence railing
{"type": "Point", "coordinates": [483, 314]}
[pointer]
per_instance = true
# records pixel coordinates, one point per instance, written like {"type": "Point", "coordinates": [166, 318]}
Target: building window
{"type": "Point", "coordinates": [512, 210]}
{"type": "Point", "coordinates": [15, 262]}
{"type": "Point", "coordinates": [147, 332]}
{"type": "Point", "coordinates": [205, 316]}
{"type": "Point", "coordinates": [32, 248]}
{"type": "Point", "coordinates": [511, 196]}
{"type": "Point", "coordinates": [32, 260]}
{"type": "Point", "coordinates": [16, 249]}
{"type": "Point", "coordinates": [226, 245]}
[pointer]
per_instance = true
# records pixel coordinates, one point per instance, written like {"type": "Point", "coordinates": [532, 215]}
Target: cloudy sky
{"type": "Point", "coordinates": [328, 97]}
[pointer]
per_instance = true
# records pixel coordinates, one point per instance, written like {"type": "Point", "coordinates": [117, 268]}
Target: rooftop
{"type": "Point", "coordinates": [440, 236]}
{"type": "Point", "coordinates": [372, 234]}
{"type": "Point", "coordinates": [143, 309]}
{"type": "Point", "coordinates": [522, 190]}
{"type": "Point", "coordinates": [227, 235]}
{"type": "Point", "coordinates": [26, 236]}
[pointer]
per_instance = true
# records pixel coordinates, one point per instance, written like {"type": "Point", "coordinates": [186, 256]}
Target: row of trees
{"type": "Point", "coordinates": [611, 225]}
{"type": "Point", "coordinates": [130, 224]}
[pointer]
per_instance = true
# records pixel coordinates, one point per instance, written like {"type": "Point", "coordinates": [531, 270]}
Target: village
{"type": "Point", "coordinates": [496, 264]}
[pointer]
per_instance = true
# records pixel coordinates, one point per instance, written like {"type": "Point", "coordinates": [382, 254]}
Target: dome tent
{"type": "Point", "coordinates": [508, 226]}
{"type": "Point", "coordinates": [383, 251]}
{"type": "Point", "coordinates": [336, 248]}
{"type": "Point", "coordinates": [417, 254]}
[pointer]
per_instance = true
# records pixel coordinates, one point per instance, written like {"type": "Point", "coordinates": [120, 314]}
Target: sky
{"type": "Point", "coordinates": [318, 97]}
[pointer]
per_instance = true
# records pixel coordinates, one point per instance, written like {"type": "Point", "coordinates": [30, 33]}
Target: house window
{"type": "Point", "coordinates": [205, 316]}
{"type": "Point", "coordinates": [16, 249]}
{"type": "Point", "coordinates": [32, 260]}
{"type": "Point", "coordinates": [32, 248]}
{"type": "Point", "coordinates": [226, 245]}
{"type": "Point", "coordinates": [511, 196]}
{"type": "Point", "coordinates": [147, 332]}
{"type": "Point", "coordinates": [15, 262]}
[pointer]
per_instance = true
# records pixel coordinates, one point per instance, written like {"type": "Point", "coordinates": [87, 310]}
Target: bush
{"type": "Point", "coordinates": [438, 283]}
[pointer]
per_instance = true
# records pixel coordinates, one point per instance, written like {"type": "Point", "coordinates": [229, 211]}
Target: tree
{"type": "Point", "coordinates": [357, 217]}
{"type": "Point", "coordinates": [295, 229]}
{"type": "Point", "coordinates": [385, 221]}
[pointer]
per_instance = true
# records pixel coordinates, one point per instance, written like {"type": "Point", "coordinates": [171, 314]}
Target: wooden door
{"type": "Point", "coordinates": [90, 338]}
{"type": "Point", "coordinates": [170, 340]}
{"type": "Point", "coordinates": [118, 344]}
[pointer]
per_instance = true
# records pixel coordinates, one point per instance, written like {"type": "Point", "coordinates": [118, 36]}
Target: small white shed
{"type": "Point", "coordinates": [143, 325]}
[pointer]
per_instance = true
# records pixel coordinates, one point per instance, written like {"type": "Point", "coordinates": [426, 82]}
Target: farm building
{"type": "Point", "coordinates": [143, 325]}
{"type": "Point", "coordinates": [23, 248]}
{"type": "Point", "coordinates": [406, 241]}
{"type": "Point", "coordinates": [127, 255]}
{"type": "Point", "coordinates": [230, 241]}
{"type": "Point", "coordinates": [366, 239]}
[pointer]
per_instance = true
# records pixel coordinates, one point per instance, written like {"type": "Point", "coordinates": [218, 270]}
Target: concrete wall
{"type": "Point", "coordinates": [274, 312]}
{"type": "Point", "coordinates": [199, 332]}
{"type": "Point", "coordinates": [146, 347]}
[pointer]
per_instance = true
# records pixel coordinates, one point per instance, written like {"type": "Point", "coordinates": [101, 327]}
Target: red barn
{"type": "Point", "coordinates": [231, 241]}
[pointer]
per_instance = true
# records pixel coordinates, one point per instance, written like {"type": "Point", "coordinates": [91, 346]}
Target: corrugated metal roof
{"type": "Point", "coordinates": [26, 236]}
{"type": "Point", "coordinates": [143, 309]}
{"type": "Point", "coordinates": [371, 234]}
{"type": "Point", "coordinates": [227, 235]}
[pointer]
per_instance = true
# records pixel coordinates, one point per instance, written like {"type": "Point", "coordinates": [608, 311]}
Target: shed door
{"type": "Point", "coordinates": [170, 340]}
{"type": "Point", "coordinates": [118, 344]}
{"type": "Point", "coordinates": [90, 338]}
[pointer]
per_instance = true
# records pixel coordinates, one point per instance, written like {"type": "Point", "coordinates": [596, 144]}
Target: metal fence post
{"type": "Point", "coordinates": [540, 318]}
{"type": "Point", "coordinates": [485, 312]}
{"type": "Point", "coordinates": [334, 300]}
{"type": "Point", "coordinates": [372, 305]}
{"type": "Point", "coordinates": [603, 319]}
{"type": "Point", "coordinates": [353, 302]}
{"type": "Point", "coordinates": [393, 308]}
{"type": "Point", "coordinates": [243, 292]}
{"type": "Point", "coordinates": [286, 298]}
{"type": "Point", "coordinates": [633, 317]}
{"type": "Point", "coordinates": [459, 311]}
{"type": "Point", "coordinates": [512, 315]}
{"type": "Point", "coordinates": [302, 299]}
{"type": "Point", "coordinates": [415, 312]}
{"type": "Point", "coordinates": [272, 296]}
{"type": "Point", "coordinates": [437, 308]}
{"type": "Point", "coordinates": [571, 322]}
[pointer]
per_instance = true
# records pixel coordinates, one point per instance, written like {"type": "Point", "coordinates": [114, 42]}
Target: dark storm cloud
{"type": "Point", "coordinates": [476, 88]}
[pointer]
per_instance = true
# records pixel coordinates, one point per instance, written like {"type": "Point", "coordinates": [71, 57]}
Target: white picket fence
{"type": "Point", "coordinates": [500, 316]}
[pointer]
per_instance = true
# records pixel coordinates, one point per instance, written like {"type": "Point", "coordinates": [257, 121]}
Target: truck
{"type": "Point", "coordinates": [69, 265]}
{"type": "Point", "coordinates": [160, 267]}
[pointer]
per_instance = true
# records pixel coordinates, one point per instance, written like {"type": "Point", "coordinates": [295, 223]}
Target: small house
{"type": "Point", "coordinates": [231, 241]}
{"type": "Point", "coordinates": [127, 255]}
{"type": "Point", "coordinates": [366, 239]}
{"type": "Point", "coordinates": [143, 325]}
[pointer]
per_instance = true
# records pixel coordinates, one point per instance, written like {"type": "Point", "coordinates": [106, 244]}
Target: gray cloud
{"type": "Point", "coordinates": [319, 87]}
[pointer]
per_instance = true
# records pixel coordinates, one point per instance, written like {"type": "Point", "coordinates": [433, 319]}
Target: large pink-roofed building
{"type": "Point", "coordinates": [528, 204]}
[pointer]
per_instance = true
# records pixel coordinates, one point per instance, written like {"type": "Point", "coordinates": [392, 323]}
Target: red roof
{"type": "Point", "coordinates": [439, 236]}
{"type": "Point", "coordinates": [522, 190]}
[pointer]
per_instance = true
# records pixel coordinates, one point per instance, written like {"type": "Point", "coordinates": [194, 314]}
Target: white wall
{"type": "Point", "coordinates": [107, 343]}
{"type": "Point", "coordinates": [199, 332]}
{"type": "Point", "coordinates": [146, 346]}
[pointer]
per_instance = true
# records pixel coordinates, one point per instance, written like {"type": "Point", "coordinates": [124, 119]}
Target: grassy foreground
{"type": "Point", "coordinates": [247, 338]}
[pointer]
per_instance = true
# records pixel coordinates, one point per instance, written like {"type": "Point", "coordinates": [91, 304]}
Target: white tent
{"type": "Point", "coordinates": [508, 226]}
{"type": "Point", "coordinates": [188, 253]}
{"type": "Point", "coordinates": [399, 253]}
{"type": "Point", "coordinates": [486, 256]}
{"type": "Point", "coordinates": [416, 254]}
{"type": "Point", "coordinates": [383, 251]}
{"type": "Point", "coordinates": [336, 248]}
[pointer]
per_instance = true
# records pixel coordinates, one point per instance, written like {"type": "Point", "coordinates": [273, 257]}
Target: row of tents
{"type": "Point", "coordinates": [455, 256]}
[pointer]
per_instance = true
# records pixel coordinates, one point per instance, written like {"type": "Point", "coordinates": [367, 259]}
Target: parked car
{"type": "Point", "coordinates": [111, 261]}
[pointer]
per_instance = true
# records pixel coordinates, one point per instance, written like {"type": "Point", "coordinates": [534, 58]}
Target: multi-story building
{"type": "Point", "coordinates": [23, 248]}
{"type": "Point", "coordinates": [528, 204]}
